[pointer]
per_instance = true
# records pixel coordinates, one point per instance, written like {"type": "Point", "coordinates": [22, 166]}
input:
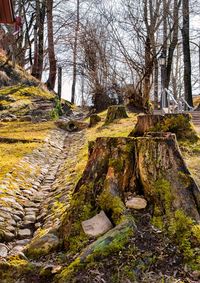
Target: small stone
{"type": "Point", "coordinates": [136, 203]}
{"type": "Point", "coordinates": [30, 218]}
{"type": "Point", "coordinates": [30, 210]}
{"type": "Point", "coordinates": [24, 233]}
{"type": "Point", "coordinates": [56, 269]}
{"type": "Point", "coordinates": [11, 222]}
{"type": "Point", "coordinates": [3, 250]}
{"type": "Point", "coordinates": [16, 250]}
{"type": "Point", "coordinates": [97, 225]}
{"type": "Point", "coordinates": [22, 242]}
{"type": "Point", "coordinates": [16, 218]}
{"type": "Point", "coordinates": [10, 228]}
{"type": "Point", "coordinates": [37, 225]}
{"type": "Point", "coordinates": [196, 275]}
{"type": "Point", "coordinates": [43, 244]}
{"type": "Point", "coordinates": [8, 236]}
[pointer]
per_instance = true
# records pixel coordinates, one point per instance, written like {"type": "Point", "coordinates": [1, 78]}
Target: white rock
{"type": "Point", "coordinates": [24, 233]}
{"type": "Point", "coordinates": [97, 225]}
{"type": "Point", "coordinates": [136, 203]}
{"type": "Point", "coordinates": [3, 250]}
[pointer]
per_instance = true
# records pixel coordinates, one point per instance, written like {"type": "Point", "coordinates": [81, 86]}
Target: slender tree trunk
{"type": "Point", "coordinates": [41, 40]}
{"type": "Point", "coordinates": [186, 52]}
{"type": "Point", "coordinates": [156, 85]}
{"type": "Point", "coordinates": [52, 60]}
{"type": "Point", "coordinates": [174, 41]}
{"type": "Point", "coordinates": [75, 53]}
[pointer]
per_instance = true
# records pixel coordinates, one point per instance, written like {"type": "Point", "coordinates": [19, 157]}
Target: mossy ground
{"type": "Point", "coordinates": [191, 153]}
{"type": "Point", "coordinates": [11, 153]}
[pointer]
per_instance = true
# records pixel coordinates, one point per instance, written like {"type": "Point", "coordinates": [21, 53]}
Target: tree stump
{"type": "Point", "coordinates": [94, 119]}
{"type": "Point", "coordinates": [150, 167]}
{"type": "Point", "coordinates": [71, 126]}
{"type": "Point", "coordinates": [115, 112]}
{"type": "Point", "coordinates": [180, 124]}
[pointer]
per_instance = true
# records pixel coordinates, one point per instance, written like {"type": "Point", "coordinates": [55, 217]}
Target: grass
{"type": "Point", "coordinates": [191, 155]}
{"type": "Point", "coordinates": [10, 154]}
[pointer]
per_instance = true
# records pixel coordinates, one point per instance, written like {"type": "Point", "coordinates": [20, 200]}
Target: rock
{"type": "Point", "coordinates": [42, 245]}
{"type": "Point", "coordinates": [8, 236]}
{"type": "Point", "coordinates": [24, 233]}
{"type": "Point", "coordinates": [3, 250]}
{"type": "Point", "coordinates": [25, 118]}
{"type": "Point", "coordinates": [196, 275]}
{"type": "Point", "coordinates": [10, 228]}
{"type": "Point", "coordinates": [30, 218]}
{"type": "Point", "coordinates": [97, 225]}
{"type": "Point", "coordinates": [22, 242]}
{"type": "Point", "coordinates": [16, 250]}
{"type": "Point", "coordinates": [136, 203]}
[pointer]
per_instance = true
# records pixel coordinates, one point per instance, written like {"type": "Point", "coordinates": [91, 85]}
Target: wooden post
{"type": "Point", "coordinates": [59, 82]}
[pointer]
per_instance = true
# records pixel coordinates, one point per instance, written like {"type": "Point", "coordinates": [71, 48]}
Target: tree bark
{"type": "Point", "coordinates": [186, 52]}
{"type": "Point", "coordinates": [115, 112]}
{"type": "Point", "coordinates": [52, 59]}
{"type": "Point", "coordinates": [151, 167]}
{"type": "Point", "coordinates": [75, 52]}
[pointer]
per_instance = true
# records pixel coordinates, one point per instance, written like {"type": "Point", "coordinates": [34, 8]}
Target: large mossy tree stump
{"type": "Point", "coordinates": [148, 166]}
{"type": "Point", "coordinates": [179, 124]}
{"type": "Point", "coordinates": [115, 112]}
{"type": "Point", "coordinates": [151, 167]}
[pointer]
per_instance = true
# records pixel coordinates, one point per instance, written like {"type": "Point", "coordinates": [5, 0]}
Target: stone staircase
{"type": "Point", "coordinates": [196, 118]}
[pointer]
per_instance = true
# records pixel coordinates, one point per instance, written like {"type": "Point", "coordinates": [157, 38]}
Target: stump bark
{"type": "Point", "coordinates": [180, 124]}
{"type": "Point", "coordinates": [94, 119]}
{"type": "Point", "coordinates": [151, 167]}
{"type": "Point", "coordinates": [115, 112]}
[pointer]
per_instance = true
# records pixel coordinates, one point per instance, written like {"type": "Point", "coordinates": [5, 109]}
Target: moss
{"type": "Point", "coordinates": [178, 124]}
{"type": "Point", "coordinates": [180, 229]}
{"type": "Point", "coordinates": [117, 164]}
{"type": "Point", "coordinates": [68, 272]}
{"type": "Point", "coordinates": [57, 111]}
{"type": "Point", "coordinates": [16, 261]}
{"type": "Point", "coordinates": [184, 178]}
{"type": "Point", "coordinates": [112, 204]}
{"type": "Point", "coordinates": [113, 241]}
{"type": "Point", "coordinates": [196, 232]}
{"type": "Point", "coordinates": [164, 198]}
{"type": "Point", "coordinates": [10, 154]}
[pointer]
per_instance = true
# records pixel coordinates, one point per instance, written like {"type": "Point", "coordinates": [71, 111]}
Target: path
{"type": "Point", "coordinates": [35, 194]}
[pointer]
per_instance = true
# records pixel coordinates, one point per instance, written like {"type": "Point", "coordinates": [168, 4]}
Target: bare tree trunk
{"type": "Point", "coordinates": [75, 53]}
{"type": "Point", "coordinates": [52, 60]}
{"type": "Point", "coordinates": [186, 52]}
{"type": "Point", "coordinates": [37, 67]}
{"type": "Point", "coordinates": [173, 42]}
{"type": "Point", "coordinates": [156, 84]}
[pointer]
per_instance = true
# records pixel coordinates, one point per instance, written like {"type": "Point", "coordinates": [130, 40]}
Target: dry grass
{"type": "Point", "coordinates": [10, 154]}
{"type": "Point", "coordinates": [196, 100]}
